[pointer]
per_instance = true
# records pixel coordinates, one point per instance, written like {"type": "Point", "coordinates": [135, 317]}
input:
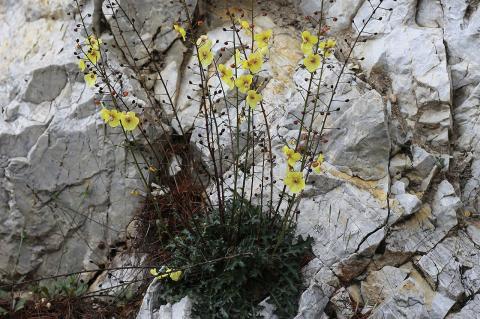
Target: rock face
{"type": "Point", "coordinates": [64, 184]}
{"type": "Point", "coordinates": [394, 213]}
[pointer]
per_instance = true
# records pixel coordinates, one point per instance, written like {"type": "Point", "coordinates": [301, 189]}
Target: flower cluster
{"type": "Point", "coordinates": [114, 118]}
{"type": "Point", "coordinates": [252, 63]}
{"type": "Point", "coordinates": [91, 55]}
{"type": "Point", "coordinates": [313, 55]}
{"type": "Point", "coordinates": [166, 272]}
{"type": "Point", "coordinates": [295, 181]}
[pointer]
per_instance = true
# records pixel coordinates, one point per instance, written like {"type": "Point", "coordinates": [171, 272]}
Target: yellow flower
{"type": "Point", "coordinates": [181, 31]}
{"type": "Point", "coordinates": [254, 62]}
{"type": "Point", "coordinates": [263, 38]}
{"type": "Point", "coordinates": [82, 65]}
{"type": "Point", "coordinates": [238, 58]}
{"type": "Point", "coordinates": [226, 74]}
{"type": "Point", "coordinates": [154, 272]}
{"type": "Point", "coordinates": [317, 164]}
{"type": "Point", "coordinates": [129, 120]}
{"type": "Point", "coordinates": [295, 181]}
{"type": "Point", "coordinates": [90, 78]}
{"type": "Point", "coordinates": [264, 51]}
{"type": "Point", "coordinates": [308, 41]}
{"type": "Point", "coordinates": [245, 25]}
{"type": "Point", "coordinates": [93, 42]}
{"type": "Point", "coordinates": [176, 275]}
{"type": "Point", "coordinates": [312, 62]}
{"type": "Point", "coordinates": [93, 55]}
{"type": "Point", "coordinates": [111, 117]}
{"type": "Point", "coordinates": [253, 98]}
{"type": "Point", "coordinates": [203, 40]}
{"type": "Point", "coordinates": [292, 156]}
{"type": "Point", "coordinates": [243, 82]}
{"type": "Point", "coordinates": [152, 169]}
{"type": "Point", "coordinates": [205, 55]}
{"type": "Point", "coordinates": [327, 47]}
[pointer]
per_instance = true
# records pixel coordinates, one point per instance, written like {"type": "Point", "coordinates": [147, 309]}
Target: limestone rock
{"type": "Point", "coordinates": [153, 20]}
{"type": "Point", "coordinates": [470, 310]}
{"type": "Point", "coordinates": [399, 163]}
{"type": "Point", "coordinates": [314, 300]}
{"type": "Point", "coordinates": [398, 188]}
{"type": "Point", "coordinates": [343, 11]}
{"type": "Point", "coordinates": [362, 150]}
{"type": "Point", "coordinates": [451, 267]}
{"type": "Point", "coordinates": [46, 84]}
{"type": "Point", "coordinates": [342, 304]}
{"type": "Point", "coordinates": [380, 285]}
{"type": "Point", "coordinates": [419, 78]}
{"type": "Point", "coordinates": [428, 226]}
{"type": "Point", "coordinates": [414, 299]}
{"type": "Point", "coordinates": [342, 223]}
{"type": "Point", "coordinates": [409, 202]}
{"type": "Point", "coordinates": [122, 281]}
{"type": "Point", "coordinates": [151, 309]}
{"type": "Point", "coordinates": [64, 185]}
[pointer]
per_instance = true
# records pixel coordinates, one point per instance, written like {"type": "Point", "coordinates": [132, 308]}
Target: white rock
{"type": "Point", "coordinates": [362, 150]}
{"type": "Point", "coordinates": [414, 299]}
{"type": "Point", "coordinates": [381, 284]}
{"type": "Point", "coordinates": [342, 304]}
{"type": "Point", "coordinates": [314, 300]}
{"type": "Point", "coordinates": [175, 165]}
{"type": "Point", "coordinates": [409, 202]}
{"type": "Point", "coordinates": [398, 188]}
{"type": "Point", "coordinates": [154, 22]}
{"type": "Point", "coordinates": [151, 309]}
{"type": "Point", "coordinates": [399, 163]}
{"type": "Point", "coordinates": [116, 282]}
{"type": "Point", "coordinates": [64, 184]}
{"type": "Point", "coordinates": [428, 226]}
{"type": "Point", "coordinates": [345, 222]}
{"type": "Point", "coordinates": [429, 13]}
{"type": "Point", "coordinates": [419, 75]}
{"type": "Point", "coordinates": [343, 11]}
{"type": "Point", "coordinates": [451, 267]}
{"type": "Point", "coordinates": [471, 310]}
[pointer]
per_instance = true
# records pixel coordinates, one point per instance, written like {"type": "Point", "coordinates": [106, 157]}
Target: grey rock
{"type": "Point", "coordinates": [345, 224]}
{"type": "Point", "coordinates": [399, 163]}
{"type": "Point", "coordinates": [343, 11]}
{"type": "Point", "coordinates": [398, 188]}
{"type": "Point", "coordinates": [420, 80]}
{"type": "Point", "coordinates": [452, 266]}
{"type": "Point", "coordinates": [361, 149]}
{"type": "Point", "coordinates": [151, 308]}
{"type": "Point", "coordinates": [154, 22]}
{"type": "Point", "coordinates": [471, 310]}
{"type": "Point", "coordinates": [469, 141]}
{"type": "Point", "coordinates": [429, 14]}
{"type": "Point", "coordinates": [423, 230]}
{"type": "Point", "coordinates": [314, 300]}
{"type": "Point", "coordinates": [46, 84]}
{"type": "Point", "coordinates": [122, 281]}
{"type": "Point", "coordinates": [380, 285]}
{"type": "Point", "coordinates": [267, 311]}
{"type": "Point", "coordinates": [409, 202]}
{"type": "Point", "coordinates": [414, 299]}
{"type": "Point", "coordinates": [423, 162]}
{"type": "Point", "coordinates": [342, 304]}
{"type": "Point", "coordinates": [64, 185]}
